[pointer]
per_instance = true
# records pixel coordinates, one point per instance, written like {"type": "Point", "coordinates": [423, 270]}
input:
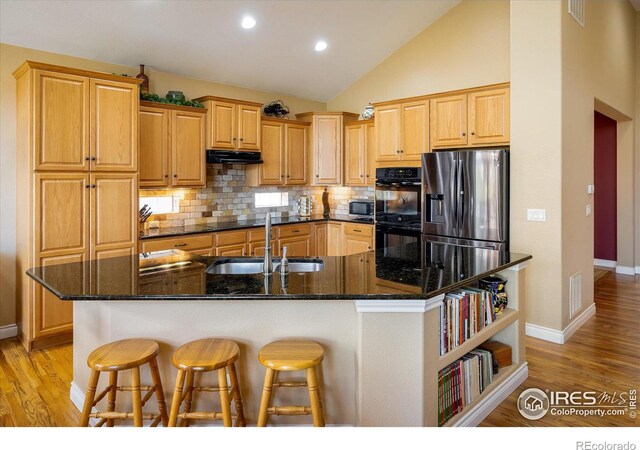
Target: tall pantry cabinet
{"type": "Point", "coordinates": [77, 182]}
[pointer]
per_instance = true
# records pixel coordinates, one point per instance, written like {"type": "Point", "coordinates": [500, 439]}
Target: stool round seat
{"type": "Point", "coordinates": [205, 355]}
{"type": "Point", "coordinates": [291, 354]}
{"type": "Point", "coordinates": [122, 355]}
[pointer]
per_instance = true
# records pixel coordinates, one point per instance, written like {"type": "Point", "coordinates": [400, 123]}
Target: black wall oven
{"type": "Point", "coordinates": [398, 206]}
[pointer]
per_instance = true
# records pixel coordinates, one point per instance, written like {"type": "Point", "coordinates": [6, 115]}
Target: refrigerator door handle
{"type": "Point", "coordinates": [461, 189]}
{"type": "Point", "coordinates": [454, 196]}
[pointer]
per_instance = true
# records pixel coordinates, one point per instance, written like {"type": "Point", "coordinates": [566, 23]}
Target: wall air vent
{"type": "Point", "coordinates": [575, 293]}
{"type": "Point", "coordinates": [576, 9]}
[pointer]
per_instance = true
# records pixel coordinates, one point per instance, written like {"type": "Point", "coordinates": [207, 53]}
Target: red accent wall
{"type": "Point", "coordinates": [604, 202]}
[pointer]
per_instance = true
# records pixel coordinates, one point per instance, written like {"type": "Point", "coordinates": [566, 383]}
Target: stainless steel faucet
{"type": "Point", "coordinates": [267, 267]}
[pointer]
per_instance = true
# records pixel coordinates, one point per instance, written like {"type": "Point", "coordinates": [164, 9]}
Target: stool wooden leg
{"type": "Point", "coordinates": [187, 401]}
{"type": "Point", "coordinates": [237, 399]}
{"type": "Point", "coordinates": [157, 381]}
{"type": "Point", "coordinates": [90, 397]}
{"type": "Point", "coordinates": [136, 399]}
{"type": "Point", "coordinates": [177, 399]}
{"type": "Point", "coordinates": [111, 399]}
{"type": "Point", "coordinates": [266, 397]}
{"type": "Point", "coordinates": [224, 397]}
{"type": "Point", "coordinates": [314, 396]}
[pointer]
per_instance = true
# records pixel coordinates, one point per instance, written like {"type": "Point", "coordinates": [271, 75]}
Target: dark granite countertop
{"type": "Point", "coordinates": [413, 271]}
{"type": "Point", "coordinates": [240, 224]}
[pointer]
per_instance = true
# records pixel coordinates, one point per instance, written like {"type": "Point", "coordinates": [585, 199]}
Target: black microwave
{"type": "Point", "coordinates": [361, 208]}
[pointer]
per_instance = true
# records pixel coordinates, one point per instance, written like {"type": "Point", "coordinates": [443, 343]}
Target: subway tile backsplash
{"type": "Point", "coordinates": [227, 198]}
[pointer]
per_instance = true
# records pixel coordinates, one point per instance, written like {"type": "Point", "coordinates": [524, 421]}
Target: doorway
{"type": "Point", "coordinates": [605, 196]}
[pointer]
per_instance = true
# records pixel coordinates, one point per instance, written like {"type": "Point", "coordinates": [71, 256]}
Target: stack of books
{"type": "Point", "coordinates": [463, 314]}
{"type": "Point", "coordinates": [462, 382]}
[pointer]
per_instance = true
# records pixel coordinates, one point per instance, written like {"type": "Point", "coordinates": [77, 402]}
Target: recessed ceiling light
{"type": "Point", "coordinates": [320, 46]}
{"type": "Point", "coordinates": [248, 22]}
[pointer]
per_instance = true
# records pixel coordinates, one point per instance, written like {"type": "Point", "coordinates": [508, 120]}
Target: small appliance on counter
{"type": "Point", "coordinates": [361, 207]}
{"type": "Point", "coordinates": [305, 205]}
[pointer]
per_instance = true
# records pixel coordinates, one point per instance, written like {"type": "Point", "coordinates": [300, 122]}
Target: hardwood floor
{"type": "Point", "coordinates": [603, 355]}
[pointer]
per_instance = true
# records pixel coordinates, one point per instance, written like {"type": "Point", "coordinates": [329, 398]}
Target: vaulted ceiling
{"type": "Point", "coordinates": [204, 39]}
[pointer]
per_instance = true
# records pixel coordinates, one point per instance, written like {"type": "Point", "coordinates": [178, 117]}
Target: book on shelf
{"type": "Point", "coordinates": [462, 382]}
{"type": "Point", "coordinates": [464, 313]}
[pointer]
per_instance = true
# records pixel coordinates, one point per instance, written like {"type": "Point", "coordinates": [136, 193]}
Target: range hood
{"type": "Point", "coordinates": [231, 157]}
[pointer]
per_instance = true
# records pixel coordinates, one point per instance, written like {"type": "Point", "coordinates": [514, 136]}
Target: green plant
{"type": "Point", "coordinates": [156, 98]}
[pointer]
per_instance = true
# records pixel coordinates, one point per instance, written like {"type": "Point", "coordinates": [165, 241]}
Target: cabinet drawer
{"type": "Point", "coordinates": [294, 230]}
{"type": "Point", "coordinates": [231, 238]}
{"type": "Point", "coordinates": [183, 243]}
{"type": "Point", "coordinates": [358, 229]}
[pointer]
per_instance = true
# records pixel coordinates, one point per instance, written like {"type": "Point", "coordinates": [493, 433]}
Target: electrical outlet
{"type": "Point", "coordinates": [587, 210]}
{"type": "Point", "coordinates": [536, 215]}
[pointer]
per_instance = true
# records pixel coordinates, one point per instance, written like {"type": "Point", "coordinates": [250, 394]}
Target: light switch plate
{"type": "Point", "coordinates": [587, 210]}
{"type": "Point", "coordinates": [536, 215]}
{"type": "Point", "coordinates": [590, 188]}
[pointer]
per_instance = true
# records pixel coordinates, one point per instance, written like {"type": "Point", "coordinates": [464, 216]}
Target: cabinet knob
{"type": "Point", "coordinates": [464, 134]}
{"type": "Point", "coordinates": [367, 175]}
{"type": "Point", "coordinates": [361, 176]}
{"type": "Point", "coordinates": [288, 176]}
{"type": "Point", "coordinates": [241, 139]}
{"type": "Point", "coordinates": [317, 176]}
{"type": "Point", "coordinates": [175, 176]}
{"type": "Point", "coordinates": [93, 158]}
{"type": "Point", "coordinates": [86, 158]}
{"type": "Point", "coordinates": [166, 175]}
{"type": "Point", "coordinates": [87, 186]}
{"type": "Point", "coordinates": [93, 186]}
{"type": "Point", "coordinates": [473, 133]}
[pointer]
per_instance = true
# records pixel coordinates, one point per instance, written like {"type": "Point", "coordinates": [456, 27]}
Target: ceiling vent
{"type": "Point", "coordinates": [576, 9]}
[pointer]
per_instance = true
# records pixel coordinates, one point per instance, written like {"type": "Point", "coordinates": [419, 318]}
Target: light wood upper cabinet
{"type": "Point", "coordinates": [415, 130]}
{"type": "Point", "coordinates": [449, 121]}
{"type": "Point", "coordinates": [172, 146]}
{"type": "Point", "coordinates": [61, 213]}
{"type": "Point", "coordinates": [296, 153]}
{"type": "Point", "coordinates": [402, 131]}
{"type": "Point", "coordinates": [155, 144]}
{"type": "Point", "coordinates": [61, 121]}
{"type": "Point", "coordinates": [478, 118]}
{"type": "Point", "coordinates": [113, 227]}
{"type": "Point", "coordinates": [114, 126]}
{"type": "Point", "coordinates": [284, 151]}
{"type": "Point", "coordinates": [232, 124]}
{"type": "Point", "coordinates": [187, 148]}
{"type": "Point", "coordinates": [326, 145]}
{"type": "Point", "coordinates": [359, 154]}
{"type": "Point", "coordinates": [489, 114]}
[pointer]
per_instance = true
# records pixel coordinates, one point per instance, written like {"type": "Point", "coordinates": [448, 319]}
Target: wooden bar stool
{"type": "Point", "coordinates": [206, 355]}
{"type": "Point", "coordinates": [112, 358]}
{"type": "Point", "coordinates": [290, 355]}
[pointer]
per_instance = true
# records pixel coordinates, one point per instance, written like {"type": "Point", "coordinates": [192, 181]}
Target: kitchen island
{"type": "Point", "coordinates": [376, 314]}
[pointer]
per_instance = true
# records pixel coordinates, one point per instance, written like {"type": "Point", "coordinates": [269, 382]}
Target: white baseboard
{"type": "Point", "coordinates": [637, 269]}
{"type": "Point", "coordinates": [8, 331]}
{"type": "Point", "coordinates": [479, 412]}
{"type": "Point", "coordinates": [604, 263]}
{"type": "Point", "coordinates": [626, 270]}
{"type": "Point", "coordinates": [560, 337]}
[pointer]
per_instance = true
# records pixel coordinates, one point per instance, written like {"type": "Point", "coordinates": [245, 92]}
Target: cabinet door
{"type": "Point", "coordinates": [334, 239]}
{"type": "Point", "coordinates": [257, 248]}
{"type": "Point", "coordinates": [449, 121]}
{"type": "Point", "coordinates": [154, 142]}
{"type": "Point", "coordinates": [354, 155]}
{"type": "Point", "coordinates": [61, 122]}
{"type": "Point", "coordinates": [232, 250]}
{"type": "Point", "coordinates": [489, 117]}
{"type": "Point", "coordinates": [248, 127]}
{"type": "Point", "coordinates": [222, 125]}
{"type": "Point", "coordinates": [356, 244]}
{"type": "Point", "coordinates": [52, 315]}
{"type": "Point", "coordinates": [114, 213]}
{"type": "Point", "coordinates": [327, 152]}
{"type": "Point", "coordinates": [62, 213]}
{"type": "Point", "coordinates": [387, 122]}
{"type": "Point", "coordinates": [272, 170]}
{"type": "Point", "coordinates": [189, 281]}
{"type": "Point", "coordinates": [114, 126]}
{"type": "Point", "coordinates": [370, 153]}
{"type": "Point", "coordinates": [415, 130]}
{"type": "Point", "coordinates": [296, 246]}
{"type": "Point", "coordinates": [188, 164]}
{"type": "Point", "coordinates": [320, 247]}
{"type": "Point", "coordinates": [296, 154]}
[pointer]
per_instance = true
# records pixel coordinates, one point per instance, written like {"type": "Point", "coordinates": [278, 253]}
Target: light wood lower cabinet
{"type": "Point", "coordinates": [320, 238]}
{"type": "Point", "coordinates": [358, 238]}
{"type": "Point", "coordinates": [334, 239]}
{"type": "Point", "coordinates": [196, 242]}
{"type": "Point", "coordinates": [297, 239]}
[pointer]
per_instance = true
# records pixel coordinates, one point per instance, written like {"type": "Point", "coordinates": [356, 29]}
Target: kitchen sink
{"type": "Point", "coordinates": [248, 266]}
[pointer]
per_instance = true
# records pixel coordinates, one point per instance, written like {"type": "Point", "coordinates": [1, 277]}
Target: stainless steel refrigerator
{"type": "Point", "coordinates": [465, 196]}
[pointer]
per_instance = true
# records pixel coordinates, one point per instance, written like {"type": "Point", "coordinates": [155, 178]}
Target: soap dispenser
{"type": "Point", "coordinates": [284, 263]}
